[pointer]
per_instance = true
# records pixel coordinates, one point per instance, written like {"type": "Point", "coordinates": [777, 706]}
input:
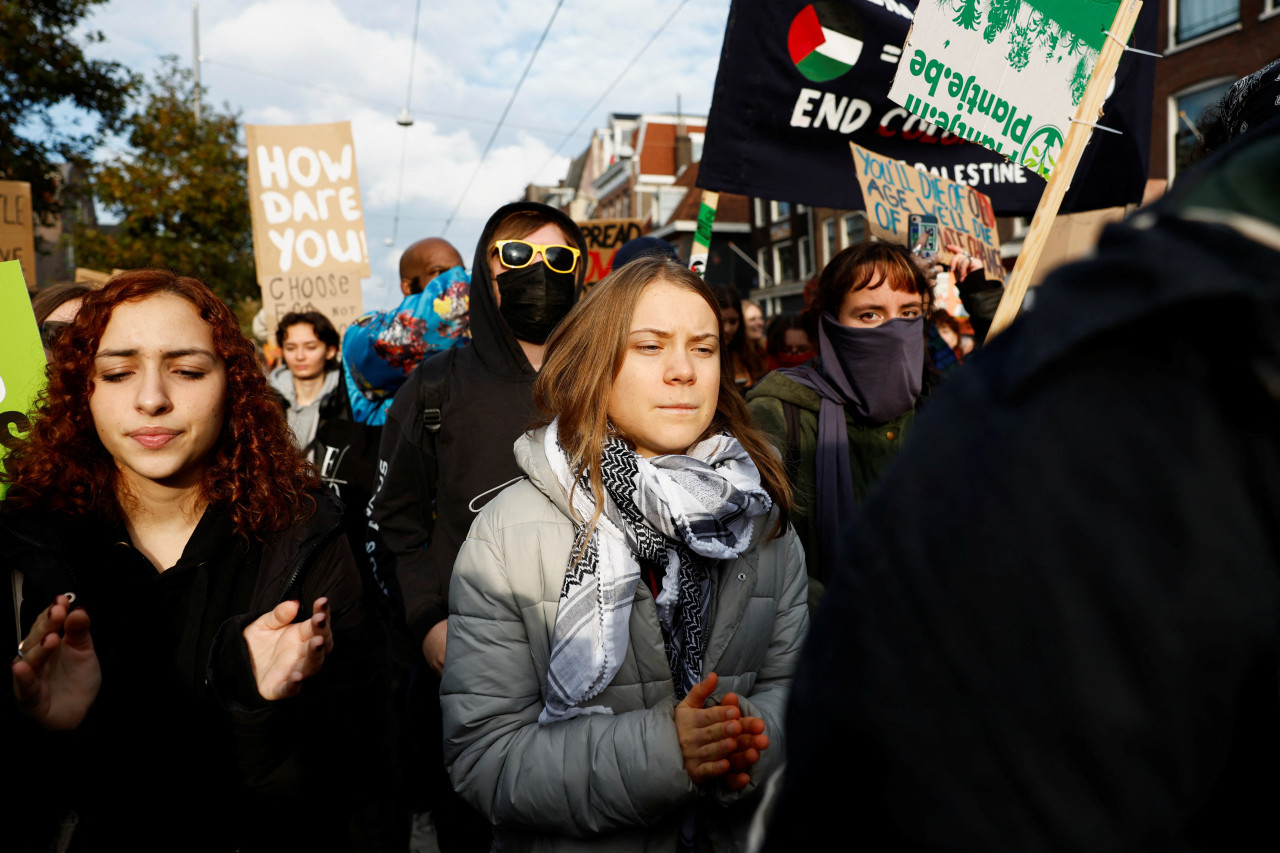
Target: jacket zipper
{"type": "Point", "coordinates": [305, 558]}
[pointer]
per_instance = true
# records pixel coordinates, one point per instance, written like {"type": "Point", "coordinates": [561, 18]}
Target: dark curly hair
{"type": "Point", "coordinates": [254, 466]}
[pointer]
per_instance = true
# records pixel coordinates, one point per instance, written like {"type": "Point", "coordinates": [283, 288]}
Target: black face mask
{"type": "Point", "coordinates": [534, 300]}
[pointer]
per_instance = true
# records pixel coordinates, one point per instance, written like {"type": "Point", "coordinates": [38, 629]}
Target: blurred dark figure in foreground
{"type": "Point", "coordinates": [1058, 626]}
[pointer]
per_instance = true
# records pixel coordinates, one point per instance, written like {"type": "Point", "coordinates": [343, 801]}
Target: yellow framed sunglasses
{"type": "Point", "coordinates": [517, 254]}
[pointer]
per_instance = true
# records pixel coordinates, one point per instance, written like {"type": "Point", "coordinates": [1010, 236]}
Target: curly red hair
{"type": "Point", "coordinates": [254, 466]}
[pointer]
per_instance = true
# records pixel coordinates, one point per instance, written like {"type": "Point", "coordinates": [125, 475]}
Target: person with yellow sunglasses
{"type": "Point", "coordinates": [534, 281]}
{"type": "Point", "coordinates": [447, 448]}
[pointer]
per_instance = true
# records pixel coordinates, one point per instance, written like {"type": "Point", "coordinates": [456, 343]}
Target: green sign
{"type": "Point", "coordinates": [1006, 74]}
{"type": "Point", "coordinates": [21, 358]}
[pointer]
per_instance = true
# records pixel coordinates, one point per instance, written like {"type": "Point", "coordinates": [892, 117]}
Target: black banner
{"type": "Point", "coordinates": [784, 112]}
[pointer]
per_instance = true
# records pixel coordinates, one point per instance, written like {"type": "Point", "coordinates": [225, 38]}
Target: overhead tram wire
{"type": "Point", "coordinates": [502, 119]}
{"type": "Point", "coordinates": [364, 99]}
{"type": "Point", "coordinates": [406, 121]}
{"type": "Point", "coordinates": [609, 89]}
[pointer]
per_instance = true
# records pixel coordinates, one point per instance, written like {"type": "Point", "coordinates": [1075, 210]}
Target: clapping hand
{"type": "Point", "coordinates": [56, 675]}
{"type": "Point", "coordinates": [283, 653]}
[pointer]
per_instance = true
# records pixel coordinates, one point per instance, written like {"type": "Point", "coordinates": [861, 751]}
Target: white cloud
{"type": "Point", "coordinates": [352, 60]}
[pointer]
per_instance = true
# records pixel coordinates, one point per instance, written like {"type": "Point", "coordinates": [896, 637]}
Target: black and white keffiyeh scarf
{"type": "Point", "coordinates": [683, 513]}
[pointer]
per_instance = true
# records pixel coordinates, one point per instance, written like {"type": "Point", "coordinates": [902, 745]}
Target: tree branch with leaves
{"type": "Point", "coordinates": [180, 190]}
{"type": "Point", "coordinates": [55, 103]}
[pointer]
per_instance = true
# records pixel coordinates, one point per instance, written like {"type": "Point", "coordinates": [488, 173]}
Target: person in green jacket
{"type": "Point", "coordinates": [850, 408]}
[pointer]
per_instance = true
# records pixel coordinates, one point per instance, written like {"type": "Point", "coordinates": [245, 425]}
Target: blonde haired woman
{"type": "Point", "coordinates": [624, 621]}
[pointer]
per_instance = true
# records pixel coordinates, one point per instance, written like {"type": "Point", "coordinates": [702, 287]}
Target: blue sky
{"type": "Point", "coordinates": [312, 61]}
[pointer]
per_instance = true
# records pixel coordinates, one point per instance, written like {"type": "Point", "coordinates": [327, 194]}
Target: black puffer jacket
{"type": "Point", "coordinates": [1060, 623]}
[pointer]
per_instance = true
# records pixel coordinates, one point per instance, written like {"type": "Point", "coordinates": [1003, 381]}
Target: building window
{"type": "Point", "coordinates": [765, 271]}
{"type": "Point", "coordinates": [829, 247]}
{"type": "Point", "coordinates": [1185, 113]}
{"type": "Point", "coordinates": [800, 208]}
{"type": "Point", "coordinates": [855, 229]}
{"type": "Point", "coordinates": [758, 207]}
{"type": "Point", "coordinates": [779, 210]}
{"type": "Point", "coordinates": [805, 249]}
{"type": "Point", "coordinates": [784, 262]}
{"type": "Point", "coordinates": [1199, 17]}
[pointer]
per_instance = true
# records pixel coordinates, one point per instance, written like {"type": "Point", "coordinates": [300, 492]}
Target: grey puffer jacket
{"type": "Point", "coordinates": [601, 781]}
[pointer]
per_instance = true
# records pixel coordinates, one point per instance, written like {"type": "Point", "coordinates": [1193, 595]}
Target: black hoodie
{"type": "Point", "coordinates": [1079, 651]}
{"type": "Point", "coordinates": [430, 487]}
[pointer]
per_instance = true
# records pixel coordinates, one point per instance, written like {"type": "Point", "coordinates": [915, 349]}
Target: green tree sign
{"type": "Point", "coordinates": [956, 63]}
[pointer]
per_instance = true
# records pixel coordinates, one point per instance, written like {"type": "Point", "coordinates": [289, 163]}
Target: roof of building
{"type": "Point", "coordinates": [730, 208]}
{"type": "Point", "coordinates": [576, 166]}
{"type": "Point", "coordinates": [657, 148]}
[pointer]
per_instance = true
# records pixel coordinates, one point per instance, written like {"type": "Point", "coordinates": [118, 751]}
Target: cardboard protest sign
{"type": "Point", "coordinates": [309, 240]}
{"type": "Point", "coordinates": [1006, 74]}
{"type": "Point", "coordinates": [801, 79]}
{"type": "Point", "coordinates": [21, 358]}
{"type": "Point", "coordinates": [604, 238]}
{"type": "Point", "coordinates": [335, 294]}
{"type": "Point", "coordinates": [93, 276]}
{"type": "Point", "coordinates": [17, 230]}
{"type": "Point", "coordinates": [894, 190]}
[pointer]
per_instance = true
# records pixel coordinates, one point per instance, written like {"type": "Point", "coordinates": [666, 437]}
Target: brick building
{"type": "Point", "coordinates": [651, 151]}
{"type": "Point", "coordinates": [1207, 45]}
{"type": "Point", "coordinates": [793, 242]}
{"type": "Point", "coordinates": [644, 166]}
{"type": "Point", "coordinates": [728, 256]}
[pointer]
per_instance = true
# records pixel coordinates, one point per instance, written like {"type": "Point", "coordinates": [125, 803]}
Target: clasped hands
{"type": "Point", "coordinates": [718, 741]}
{"type": "Point", "coordinates": [56, 675]}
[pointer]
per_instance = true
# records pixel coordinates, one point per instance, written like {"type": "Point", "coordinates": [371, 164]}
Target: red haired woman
{"type": "Point", "coordinates": [190, 608]}
{"type": "Point", "coordinates": [624, 622]}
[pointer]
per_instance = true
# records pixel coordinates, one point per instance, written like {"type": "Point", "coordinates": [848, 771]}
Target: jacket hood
{"type": "Point", "coordinates": [491, 337]}
{"type": "Point", "coordinates": [1216, 235]}
{"type": "Point", "coordinates": [282, 381]}
{"type": "Point", "coordinates": [532, 460]}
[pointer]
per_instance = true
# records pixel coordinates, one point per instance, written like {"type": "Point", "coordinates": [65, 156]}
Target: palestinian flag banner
{"type": "Point", "coordinates": [801, 79]}
{"type": "Point", "coordinates": [821, 49]}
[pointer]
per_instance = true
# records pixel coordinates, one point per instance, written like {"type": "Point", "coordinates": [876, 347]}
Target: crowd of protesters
{"type": "Point", "coordinates": [523, 564]}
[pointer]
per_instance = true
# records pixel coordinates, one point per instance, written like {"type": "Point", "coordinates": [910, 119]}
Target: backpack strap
{"type": "Point", "coordinates": [434, 391]}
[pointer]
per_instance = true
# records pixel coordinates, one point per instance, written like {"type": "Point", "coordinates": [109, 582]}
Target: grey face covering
{"type": "Point", "coordinates": [879, 370]}
{"type": "Point", "coordinates": [874, 373]}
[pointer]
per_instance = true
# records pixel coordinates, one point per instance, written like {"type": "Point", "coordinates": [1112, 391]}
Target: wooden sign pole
{"type": "Point", "coordinates": [1072, 149]}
